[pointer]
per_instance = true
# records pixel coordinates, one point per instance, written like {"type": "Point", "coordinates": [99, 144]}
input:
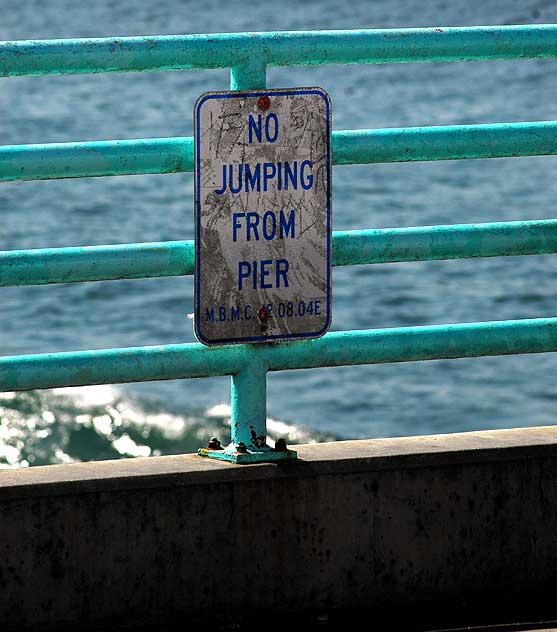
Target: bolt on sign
{"type": "Point", "coordinates": [263, 215]}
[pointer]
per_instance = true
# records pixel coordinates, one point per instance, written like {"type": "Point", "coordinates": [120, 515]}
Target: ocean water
{"type": "Point", "coordinates": [310, 405]}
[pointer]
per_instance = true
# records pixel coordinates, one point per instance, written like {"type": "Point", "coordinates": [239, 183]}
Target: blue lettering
{"type": "Point", "coordinates": [252, 181]}
{"type": "Point", "coordinates": [265, 273]}
{"type": "Point", "coordinates": [252, 223]}
{"type": "Point", "coordinates": [236, 224]}
{"type": "Point", "coordinates": [282, 269]}
{"type": "Point", "coordinates": [269, 171]}
{"type": "Point", "coordinates": [271, 117]}
{"type": "Point", "coordinates": [244, 271]}
{"type": "Point", "coordinates": [260, 273]}
{"type": "Point", "coordinates": [255, 127]}
{"type": "Point", "coordinates": [287, 227]}
{"type": "Point", "coordinates": [269, 234]}
{"type": "Point", "coordinates": [267, 223]}
{"type": "Point", "coordinates": [238, 188]}
{"type": "Point", "coordinates": [307, 183]}
{"type": "Point", "coordinates": [286, 175]}
{"type": "Point", "coordinates": [223, 187]}
{"type": "Point", "coordinates": [291, 175]}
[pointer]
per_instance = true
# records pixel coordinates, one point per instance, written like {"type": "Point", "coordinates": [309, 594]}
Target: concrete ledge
{"type": "Point", "coordinates": [314, 460]}
{"type": "Point", "coordinates": [385, 523]}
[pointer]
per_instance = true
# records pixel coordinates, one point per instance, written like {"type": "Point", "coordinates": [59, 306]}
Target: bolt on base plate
{"type": "Point", "coordinates": [263, 456]}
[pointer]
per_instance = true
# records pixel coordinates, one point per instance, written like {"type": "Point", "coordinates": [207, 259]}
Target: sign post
{"type": "Point", "coordinates": [263, 215]}
{"type": "Point", "coordinates": [263, 237]}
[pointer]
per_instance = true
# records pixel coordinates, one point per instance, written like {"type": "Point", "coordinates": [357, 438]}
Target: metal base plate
{"type": "Point", "coordinates": [266, 456]}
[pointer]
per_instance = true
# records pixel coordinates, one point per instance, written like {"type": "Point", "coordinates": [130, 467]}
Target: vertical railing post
{"type": "Point", "coordinates": [252, 75]}
{"type": "Point", "coordinates": [248, 423]}
{"type": "Point", "coordinates": [248, 398]}
{"type": "Point", "coordinates": [248, 394]}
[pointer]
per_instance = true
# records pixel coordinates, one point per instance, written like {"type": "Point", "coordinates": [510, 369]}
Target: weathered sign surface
{"type": "Point", "coordinates": [263, 215]}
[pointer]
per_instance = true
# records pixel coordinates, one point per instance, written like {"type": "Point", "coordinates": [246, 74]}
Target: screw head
{"type": "Point", "coordinates": [241, 447]}
{"type": "Point", "coordinates": [263, 314]}
{"type": "Point", "coordinates": [214, 444]}
{"type": "Point", "coordinates": [264, 103]}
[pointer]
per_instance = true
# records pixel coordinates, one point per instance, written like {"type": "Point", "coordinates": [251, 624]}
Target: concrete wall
{"type": "Point", "coordinates": [391, 523]}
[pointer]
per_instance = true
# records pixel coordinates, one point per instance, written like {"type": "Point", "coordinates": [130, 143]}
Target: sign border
{"type": "Point", "coordinates": [197, 187]}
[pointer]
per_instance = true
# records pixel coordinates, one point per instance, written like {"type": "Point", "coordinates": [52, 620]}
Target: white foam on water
{"type": "Point", "coordinates": [120, 409]}
{"type": "Point", "coordinates": [48, 416]}
{"type": "Point", "coordinates": [276, 428]}
{"type": "Point", "coordinates": [128, 447]}
{"type": "Point", "coordinates": [103, 408]}
{"type": "Point", "coordinates": [56, 415]}
{"type": "Point", "coordinates": [11, 443]}
{"type": "Point", "coordinates": [62, 457]}
{"type": "Point", "coordinates": [103, 424]}
{"type": "Point", "coordinates": [99, 395]}
{"type": "Point", "coordinates": [220, 410]}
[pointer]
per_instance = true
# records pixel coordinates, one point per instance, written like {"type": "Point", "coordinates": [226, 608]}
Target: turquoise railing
{"type": "Point", "coordinates": [247, 56]}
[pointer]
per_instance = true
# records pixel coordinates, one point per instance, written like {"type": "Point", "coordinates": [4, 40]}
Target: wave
{"type": "Point", "coordinates": [101, 422]}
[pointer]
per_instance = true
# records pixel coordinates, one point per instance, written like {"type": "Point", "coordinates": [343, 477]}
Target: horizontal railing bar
{"type": "Point", "coordinates": [453, 241]}
{"type": "Point", "coordinates": [96, 263]}
{"type": "Point", "coordinates": [111, 366]}
{"type": "Point", "coordinates": [96, 158]}
{"type": "Point", "coordinates": [444, 142]}
{"type": "Point", "coordinates": [365, 146]}
{"type": "Point", "coordinates": [286, 48]}
{"type": "Point", "coordinates": [176, 258]}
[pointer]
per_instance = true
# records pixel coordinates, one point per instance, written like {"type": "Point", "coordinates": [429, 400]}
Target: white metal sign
{"type": "Point", "coordinates": [263, 215]}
